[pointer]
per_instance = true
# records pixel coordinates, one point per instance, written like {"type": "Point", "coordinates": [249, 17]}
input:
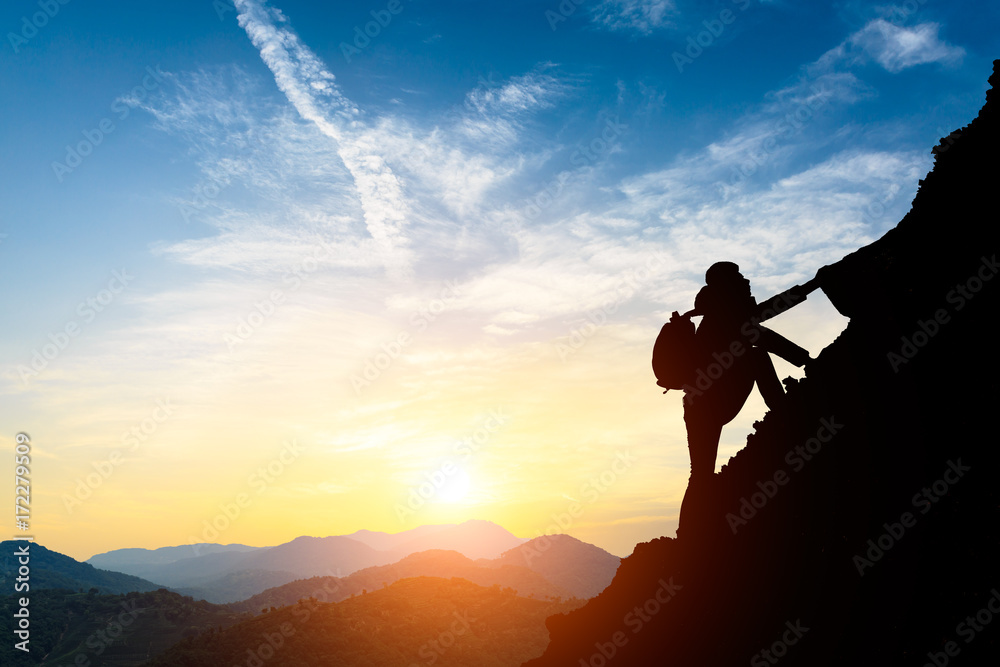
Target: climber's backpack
{"type": "Point", "coordinates": [675, 353]}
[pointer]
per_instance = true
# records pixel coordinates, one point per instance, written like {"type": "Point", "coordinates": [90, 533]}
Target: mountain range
{"type": "Point", "coordinates": [228, 573]}
{"type": "Point", "coordinates": [414, 621]}
{"type": "Point", "coordinates": [555, 566]}
{"type": "Point", "coordinates": [51, 569]}
{"type": "Point", "coordinates": [86, 629]}
{"type": "Point", "coordinates": [552, 567]}
{"type": "Point", "coordinates": [82, 614]}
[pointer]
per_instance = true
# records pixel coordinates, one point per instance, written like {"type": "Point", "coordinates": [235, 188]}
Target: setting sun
{"type": "Point", "coordinates": [457, 489]}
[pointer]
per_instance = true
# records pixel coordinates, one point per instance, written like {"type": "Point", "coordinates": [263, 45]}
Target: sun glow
{"type": "Point", "coordinates": [457, 489]}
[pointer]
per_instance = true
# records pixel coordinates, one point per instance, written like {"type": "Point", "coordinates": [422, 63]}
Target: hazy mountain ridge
{"type": "Point", "coordinates": [122, 560]}
{"type": "Point", "coordinates": [212, 575]}
{"type": "Point", "coordinates": [474, 539]}
{"type": "Point", "coordinates": [443, 564]}
{"type": "Point", "coordinates": [532, 569]}
{"type": "Point", "coordinates": [858, 525]}
{"type": "Point", "coordinates": [422, 620]}
{"type": "Point", "coordinates": [381, 541]}
{"type": "Point", "coordinates": [504, 624]}
{"type": "Point", "coordinates": [86, 629]}
{"type": "Point", "coordinates": [565, 561]}
{"type": "Point", "coordinates": [51, 569]}
{"type": "Point", "coordinates": [238, 585]}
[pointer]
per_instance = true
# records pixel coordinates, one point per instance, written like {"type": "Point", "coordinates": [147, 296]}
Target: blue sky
{"type": "Point", "coordinates": [495, 203]}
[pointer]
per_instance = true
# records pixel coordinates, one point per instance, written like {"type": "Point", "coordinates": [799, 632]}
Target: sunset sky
{"type": "Point", "coordinates": [298, 261]}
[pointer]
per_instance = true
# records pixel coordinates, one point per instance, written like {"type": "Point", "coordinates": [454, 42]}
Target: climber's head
{"type": "Point", "coordinates": [726, 277]}
{"type": "Point", "coordinates": [722, 272]}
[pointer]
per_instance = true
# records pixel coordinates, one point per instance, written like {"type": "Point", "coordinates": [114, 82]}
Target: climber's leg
{"type": "Point", "coordinates": [767, 378]}
{"type": "Point", "coordinates": [703, 445]}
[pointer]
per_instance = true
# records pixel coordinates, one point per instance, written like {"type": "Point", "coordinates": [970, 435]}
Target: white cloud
{"type": "Point", "coordinates": [307, 84]}
{"type": "Point", "coordinates": [893, 47]}
{"type": "Point", "coordinates": [493, 115]}
{"type": "Point", "coordinates": [277, 186]}
{"type": "Point", "coordinates": [458, 206]}
{"type": "Point", "coordinates": [528, 92]}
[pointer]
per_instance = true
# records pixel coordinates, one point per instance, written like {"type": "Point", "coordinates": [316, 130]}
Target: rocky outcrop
{"type": "Point", "coordinates": [860, 523]}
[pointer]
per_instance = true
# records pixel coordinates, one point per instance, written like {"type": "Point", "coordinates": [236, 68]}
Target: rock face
{"type": "Point", "coordinates": [861, 523]}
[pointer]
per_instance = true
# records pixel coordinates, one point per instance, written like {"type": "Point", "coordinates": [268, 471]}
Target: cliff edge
{"type": "Point", "coordinates": [861, 523]}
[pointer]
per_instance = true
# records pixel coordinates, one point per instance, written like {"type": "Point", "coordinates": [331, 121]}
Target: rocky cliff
{"type": "Point", "coordinates": [861, 523]}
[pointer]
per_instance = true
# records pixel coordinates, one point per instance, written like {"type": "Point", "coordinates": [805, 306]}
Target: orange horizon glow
{"type": "Point", "coordinates": [536, 449]}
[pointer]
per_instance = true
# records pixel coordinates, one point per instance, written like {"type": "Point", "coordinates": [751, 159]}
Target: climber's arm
{"type": "Point", "coordinates": [781, 346]}
{"type": "Point", "coordinates": [779, 303]}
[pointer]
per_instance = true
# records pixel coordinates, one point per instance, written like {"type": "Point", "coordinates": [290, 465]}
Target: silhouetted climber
{"type": "Point", "coordinates": [730, 355]}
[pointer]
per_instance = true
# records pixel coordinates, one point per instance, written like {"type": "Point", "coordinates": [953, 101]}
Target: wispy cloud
{"type": "Point", "coordinates": [493, 115]}
{"type": "Point", "coordinates": [642, 16]}
{"type": "Point", "coordinates": [310, 87]}
{"type": "Point", "coordinates": [528, 92]}
{"type": "Point", "coordinates": [455, 195]}
{"type": "Point", "coordinates": [892, 46]}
